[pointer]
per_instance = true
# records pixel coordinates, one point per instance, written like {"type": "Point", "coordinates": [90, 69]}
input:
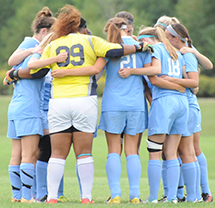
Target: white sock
{"type": "Point", "coordinates": [55, 172]}
{"type": "Point", "coordinates": [85, 169]}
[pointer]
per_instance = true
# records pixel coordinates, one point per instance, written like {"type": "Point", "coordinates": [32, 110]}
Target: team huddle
{"type": "Point", "coordinates": [54, 106]}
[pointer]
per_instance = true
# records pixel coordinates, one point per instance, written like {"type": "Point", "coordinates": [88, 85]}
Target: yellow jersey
{"type": "Point", "coordinates": [83, 51]}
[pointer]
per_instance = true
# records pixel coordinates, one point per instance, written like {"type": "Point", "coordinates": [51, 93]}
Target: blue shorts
{"type": "Point", "coordinates": [24, 127]}
{"type": "Point", "coordinates": [168, 115]}
{"type": "Point", "coordinates": [129, 122]}
{"type": "Point", "coordinates": [194, 122]}
{"type": "Point", "coordinates": [45, 119]}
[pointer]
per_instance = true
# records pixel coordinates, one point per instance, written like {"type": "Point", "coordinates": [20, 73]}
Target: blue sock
{"type": "Point", "coordinates": [60, 189]}
{"type": "Point", "coordinates": [154, 177]}
{"type": "Point", "coordinates": [198, 191]}
{"type": "Point", "coordinates": [134, 174]}
{"type": "Point", "coordinates": [164, 177]}
{"type": "Point", "coordinates": [180, 192]}
{"type": "Point", "coordinates": [113, 171]}
{"type": "Point", "coordinates": [173, 172]}
{"type": "Point", "coordinates": [41, 172]}
{"type": "Point", "coordinates": [27, 179]}
{"type": "Point", "coordinates": [34, 186]}
{"type": "Point", "coordinates": [204, 173]}
{"type": "Point", "coordinates": [14, 174]}
{"type": "Point", "coordinates": [189, 173]}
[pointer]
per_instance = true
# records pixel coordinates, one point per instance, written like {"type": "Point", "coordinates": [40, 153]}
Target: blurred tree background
{"type": "Point", "coordinates": [197, 15]}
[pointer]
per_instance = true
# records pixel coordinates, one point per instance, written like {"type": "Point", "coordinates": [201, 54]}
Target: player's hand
{"type": "Point", "coordinates": [37, 49]}
{"type": "Point", "coordinates": [9, 78]}
{"type": "Point", "coordinates": [61, 57]}
{"type": "Point", "coordinates": [194, 90]}
{"type": "Point", "coordinates": [144, 46]}
{"type": "Point", "coordinates": [181, 89]}
{"type": "Point", "coordinates": [167, 78]}
{"type": "Point", "coordinates": [124, 72]}
{"type": "Point", "coordinates": [186, 49]}
{"type": "Point", "coordinates": [58, 73]}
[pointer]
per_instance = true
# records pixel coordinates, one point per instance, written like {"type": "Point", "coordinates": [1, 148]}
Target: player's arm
{"type": "Point", "coordinates": [19, 55]}
{"type": "Point", "coordinates": [35, 63]}
{"type": "Point", "coordinates": [202, 60]}
{"type": "Point", "coordinates": [83, 71]}
{"type": "Point", "coordinates": [165, 84]}
{"type": "Point", "coordinates": [150, 69]}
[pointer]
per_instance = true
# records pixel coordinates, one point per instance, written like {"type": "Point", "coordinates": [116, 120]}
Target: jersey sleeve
{"type": "Point", "coordinates": [103, 48]}
{"type": "Point", "coordinates": [190, 62]}
{"type": "Point", "coordinates": [27, 43]}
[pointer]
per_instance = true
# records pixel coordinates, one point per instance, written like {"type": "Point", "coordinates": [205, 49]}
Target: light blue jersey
{"type": "Point", "coordinates": [191, 66]}
{"type": "Point", "coordinates": [125, 94]}
{"type": "Point", "coordinates": [168, 67]}
{"type": "Point", "coordinates": [26, 99]}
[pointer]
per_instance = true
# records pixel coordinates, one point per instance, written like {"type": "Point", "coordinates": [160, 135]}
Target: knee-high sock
{"type": "Point", "coordinates": [27, 179]}
{"type": "Point", "coordinates": [154, 176]}
{"type": "Point", "coordinates": [113, 171]}
{"type": "Point", "coordinates": [198, 191]}
{"type": "Point", "coordinates": [189, 173]}
{"type": "Point", "coordinates": [34, 186]}
{"type": "Point", "coordinates": [85, 171]}
{"type": "Point", "coordinates": [134, 174]}
{"type": "Point", "coordinates": [204, 173]}
{"type": "Point", "coordinates": [55, 172]}
{"type": "Point", "coordinates": [41, 172]}
{"type": "Point", "coordinates": [164, 177]}
{"type": "Point", "coordinates": [15, 180]}
{"type": "Point", "coordinates": [173, 171]}
{"type": "Point", "coordinates": [180, 192]}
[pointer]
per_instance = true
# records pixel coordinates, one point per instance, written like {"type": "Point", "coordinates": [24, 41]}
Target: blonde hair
{"type": "Point", "coordinates": [164, 21]}
{"type": "Point", "coordinates": [160, 36]}
{"type": "Point", "coordinates": [127, 16]}
{"type": "Point", "coordinates": [112, 28]}
{"type": "Point", "coordinates": [46, 40]}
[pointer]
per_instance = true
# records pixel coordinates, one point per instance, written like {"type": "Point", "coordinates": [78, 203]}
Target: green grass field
{"type": "Point", "coordinates": [100, 189]}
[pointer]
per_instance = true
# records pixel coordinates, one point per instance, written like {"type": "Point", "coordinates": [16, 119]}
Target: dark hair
{"type": "Point", "coordinates": [83, 23]}
{"type": "Point", "coordinates": [126, 15]}
{"type": "Point", "coordinates": [183, 32]}
{"type": "Point", "coordinates": [43, 19]}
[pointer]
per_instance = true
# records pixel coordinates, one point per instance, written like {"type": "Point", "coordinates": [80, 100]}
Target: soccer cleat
{"type": "Point", "coordinates": [174, 201]}
{"type": "Point", "coordinates": [163, 199]}
{"type": "Point", "coordinates": [63, 199]}
{"type": "Point", "coordinates": [182, 200]}
{"type": "Point", "coordinates": [15, 200]}
{"type": "Point", "coordinates": [43, 199]}
{"type": "Point", "coordinates": [106, 201]}
{"type": "Point", "coordinates": [155, 201]}
{"type": "Point", "coordinates": [53, 201]}
{"type": "Point", "coordinates": [207, 198]}
{"type": "Point", "coordinates": [136, 201]}
{"type": "Point", "coordinates": [23, 200]}
{"type": "Point", "coordinates": [115, 200]}
{"type": "Point", "coordinates": [87, 201]}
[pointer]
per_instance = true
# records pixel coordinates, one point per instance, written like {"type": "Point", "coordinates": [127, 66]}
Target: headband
{"type": "Point", "coordinates": [146, 36]}
{"type": "Point", "coordinates": [174, 33]}
{"type": "Point", "coordinates": [161, 24]}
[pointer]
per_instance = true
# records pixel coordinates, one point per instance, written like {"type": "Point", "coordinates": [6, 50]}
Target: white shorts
{"type": "Point", "coordinates": [80, 112]}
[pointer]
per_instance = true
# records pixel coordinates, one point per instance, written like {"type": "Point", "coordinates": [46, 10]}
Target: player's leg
{"type": "Point", "coordinates": [82, 144]}
{"type": "Point", "coordinates": [131, 146]}
{"type": "Point", "coordinates": [60, 147]}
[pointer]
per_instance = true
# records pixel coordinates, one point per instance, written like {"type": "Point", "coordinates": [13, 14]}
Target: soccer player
{"type": "Point", "coordinates": [24, 111]}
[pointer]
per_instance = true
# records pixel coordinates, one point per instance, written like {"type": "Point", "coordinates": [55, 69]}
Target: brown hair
{"type": "Point", "coordinates": [160, 36]}
{"type": "Point", "coordinates": [164, 21]}
{"type": "Point", "coordinates": [43, 19]}
{"type": "Point", "coordinates": [112, 28]}
{"type": "Point", "coordinates": [183, 32]}
{"type": "Point", "coordinates": [68, 21]}
{"type": "Point", "coordinates": [126, 15]}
